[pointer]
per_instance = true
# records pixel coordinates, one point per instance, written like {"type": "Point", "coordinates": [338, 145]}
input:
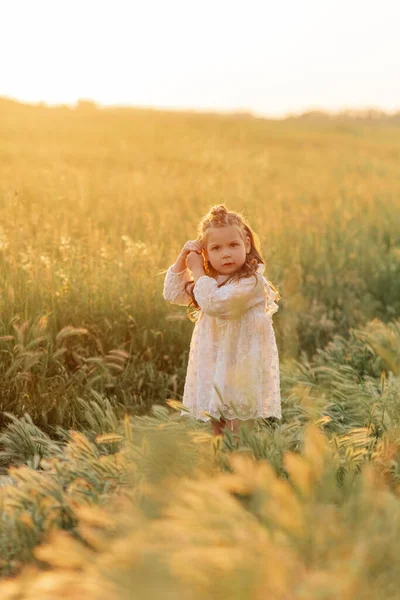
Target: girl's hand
{"type": "Point", "coordinates": [194, 260]}
{"type": "Point", "coordinates": [191, 246]}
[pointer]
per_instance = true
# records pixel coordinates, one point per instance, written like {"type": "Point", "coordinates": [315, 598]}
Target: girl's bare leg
{"type": "Point", "coordinates": [232, 424]}
{"type": "Point", "coordinates": [217, 426]}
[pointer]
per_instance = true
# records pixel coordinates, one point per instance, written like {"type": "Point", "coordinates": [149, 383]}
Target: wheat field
{"type": "Point", "coordinates": [96, 204]}
{"type": "Point", "coordinates": [109, 494]}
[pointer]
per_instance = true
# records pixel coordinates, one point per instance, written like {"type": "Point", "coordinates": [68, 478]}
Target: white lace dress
{"type": "Point", "coordinates": [233, 366]}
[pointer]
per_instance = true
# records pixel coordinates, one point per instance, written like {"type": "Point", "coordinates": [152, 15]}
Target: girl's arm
{"type": "Point", "coordinates": [180, 263]}
{"type": "Point", "coordinates": [176, 277]}
{"type": "Point", "coordinates": [231, 300]}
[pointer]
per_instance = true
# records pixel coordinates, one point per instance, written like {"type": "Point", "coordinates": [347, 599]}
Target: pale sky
{"type": "Point", "coordinates": [269, 57]}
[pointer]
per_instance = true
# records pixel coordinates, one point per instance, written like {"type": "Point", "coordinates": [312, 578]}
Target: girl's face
{"type": "Point", "coordinates": [225, 249]}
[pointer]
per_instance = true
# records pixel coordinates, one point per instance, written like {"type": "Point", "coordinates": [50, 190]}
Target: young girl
{"type": "Point", "coordinates": [233, 367]}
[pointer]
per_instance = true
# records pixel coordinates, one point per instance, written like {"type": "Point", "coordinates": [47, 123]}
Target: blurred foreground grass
{"type": "Point", "coordinates": [154, 506]}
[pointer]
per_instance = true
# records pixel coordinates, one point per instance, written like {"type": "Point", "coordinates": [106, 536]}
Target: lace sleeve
{"type": "Point", "coordinates": [231, 300]}
{"type": "Point", "coordinates": [174, 290]}
{"type": "Point", "coordinates": [272, 306]}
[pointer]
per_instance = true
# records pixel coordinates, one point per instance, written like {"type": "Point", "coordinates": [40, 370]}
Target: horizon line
{"type": "Point", "coordinates": [97, 105]}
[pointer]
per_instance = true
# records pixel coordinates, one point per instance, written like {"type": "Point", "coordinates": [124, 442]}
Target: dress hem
{"type": "Point", "coordinates": [205, 419]}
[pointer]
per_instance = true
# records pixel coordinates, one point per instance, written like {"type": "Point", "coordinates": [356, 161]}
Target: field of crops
{"type": "Point", "coordinates": [109, 493]}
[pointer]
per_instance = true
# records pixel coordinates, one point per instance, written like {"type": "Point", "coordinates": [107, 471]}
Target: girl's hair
{"type": "Point", "coordinates": [220, 216]}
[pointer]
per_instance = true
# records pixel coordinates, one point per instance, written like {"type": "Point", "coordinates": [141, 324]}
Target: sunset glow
{"type": "Point", "coordinates": [265, 57]}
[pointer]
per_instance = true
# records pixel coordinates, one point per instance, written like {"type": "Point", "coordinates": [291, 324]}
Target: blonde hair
{"type": "Point", "coordinates": [220, 216]}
